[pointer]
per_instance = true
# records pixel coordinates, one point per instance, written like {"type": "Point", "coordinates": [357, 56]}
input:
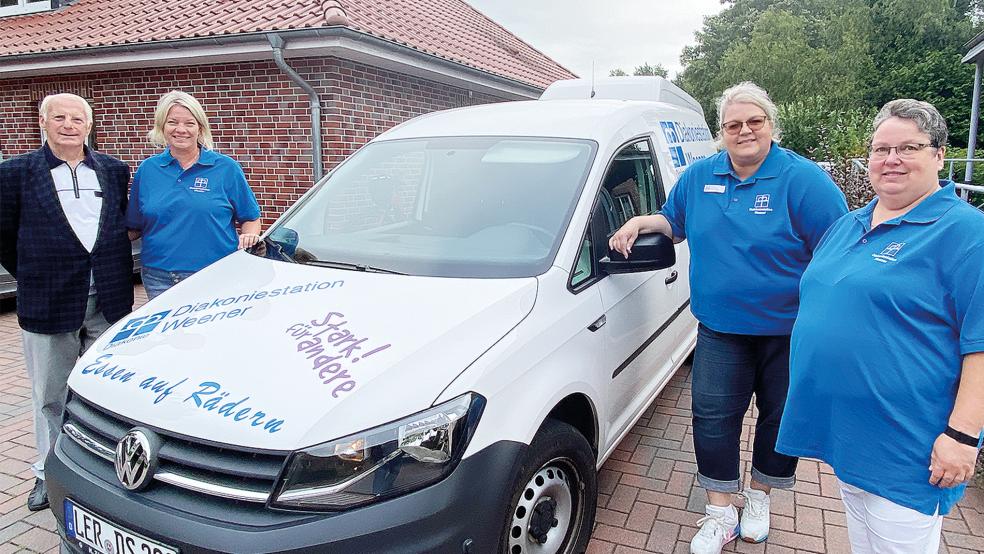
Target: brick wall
{"type": "Point", "coordinates": [258, 116]}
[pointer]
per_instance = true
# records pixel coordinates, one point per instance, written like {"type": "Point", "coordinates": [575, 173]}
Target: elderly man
{"type": "Point", "coordinates": [63, 237]}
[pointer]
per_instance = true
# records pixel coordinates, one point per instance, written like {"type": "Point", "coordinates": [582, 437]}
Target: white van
{"type": "Point", "coordinates": [431, 352]}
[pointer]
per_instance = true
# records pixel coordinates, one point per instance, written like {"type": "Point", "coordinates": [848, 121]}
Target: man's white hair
{"type": "Point", "coordinates": [46, 104]}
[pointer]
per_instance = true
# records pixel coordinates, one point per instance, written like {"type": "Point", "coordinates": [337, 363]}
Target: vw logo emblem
{"type": "Point", "coordinates": [136, 458]}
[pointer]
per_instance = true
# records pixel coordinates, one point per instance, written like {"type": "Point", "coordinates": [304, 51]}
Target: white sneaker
{"type": "Point", "coordinates": [717, 528]}
{"type": "Point", "coordinates": [755, 516]}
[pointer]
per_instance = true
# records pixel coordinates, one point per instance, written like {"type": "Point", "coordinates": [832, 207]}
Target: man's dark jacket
{"type": "Point", "coordinates": [40, 249]}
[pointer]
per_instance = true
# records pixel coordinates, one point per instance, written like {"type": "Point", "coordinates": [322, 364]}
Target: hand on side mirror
{"type": "Point", "coordinates": [650, 252]}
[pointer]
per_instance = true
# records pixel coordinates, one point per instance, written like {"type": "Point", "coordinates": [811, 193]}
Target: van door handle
{"type": "Point", "coordinates": [598, 324]}
{"type": "Point", "coordinates": [672, 277]}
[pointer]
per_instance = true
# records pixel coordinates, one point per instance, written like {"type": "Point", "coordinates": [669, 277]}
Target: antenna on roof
{"type": "Point", "coordinates": [592, 78]}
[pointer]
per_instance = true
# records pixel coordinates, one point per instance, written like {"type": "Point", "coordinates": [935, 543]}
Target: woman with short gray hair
{"type": "Point", "coordinates": [887, 354]}
{"type": "Point", "coordinates": [748, 92]}
{"type": "Point", "coordinates": [752, 214]}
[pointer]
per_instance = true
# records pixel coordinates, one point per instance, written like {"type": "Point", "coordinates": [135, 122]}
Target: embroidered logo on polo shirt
{"type": "Point", "coordinates": [201, 185]}
{"type": "Point", "coordinates": [761, 205]}
{"type": "Point", "coordinates": [889, 253]}
{"type": "Point", "coordinates": [718, 189]}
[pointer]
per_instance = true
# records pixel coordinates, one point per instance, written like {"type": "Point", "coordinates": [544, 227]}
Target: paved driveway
{"type": "Point", "coordinates": [648, 499]}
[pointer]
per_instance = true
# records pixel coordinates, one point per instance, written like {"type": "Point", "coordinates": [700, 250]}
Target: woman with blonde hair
{"type": "Point", "coordinates": [186, 201]}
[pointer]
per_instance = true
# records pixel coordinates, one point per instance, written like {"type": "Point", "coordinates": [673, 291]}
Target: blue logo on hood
{"type": "Point", "coordinates": [140, 326]}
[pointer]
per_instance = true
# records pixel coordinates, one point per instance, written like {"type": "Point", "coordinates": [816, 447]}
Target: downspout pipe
{"type": "Point", "coordinates": [315, 102]}
{"type": "Point", "coordinates": [975, 114]}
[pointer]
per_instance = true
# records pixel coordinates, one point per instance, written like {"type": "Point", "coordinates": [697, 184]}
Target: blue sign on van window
{"type": "Point", "coordinates": [669, 131]}
{"type": "Point", "coordinates": [679, 158]}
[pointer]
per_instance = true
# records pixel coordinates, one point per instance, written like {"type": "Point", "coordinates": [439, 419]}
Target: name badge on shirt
{"type": "Point", "coordinates": [717, 189]}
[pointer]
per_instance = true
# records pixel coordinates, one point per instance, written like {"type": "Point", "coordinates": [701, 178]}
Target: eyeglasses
{"type": "Point", "coordinates": [906, 151]}
{"type": "Point", "coordinates": [754, 124]}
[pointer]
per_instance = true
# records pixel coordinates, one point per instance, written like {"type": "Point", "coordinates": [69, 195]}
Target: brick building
{"type": "Point", "coordinates": [370, 64]}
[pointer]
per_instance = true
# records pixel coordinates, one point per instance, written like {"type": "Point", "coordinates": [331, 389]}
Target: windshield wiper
{"type": "Point", "coordinates": [353, 267]}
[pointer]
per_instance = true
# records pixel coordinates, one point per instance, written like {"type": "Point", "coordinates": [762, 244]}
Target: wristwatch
{"type": "Point", "coordinates": [962, 438]}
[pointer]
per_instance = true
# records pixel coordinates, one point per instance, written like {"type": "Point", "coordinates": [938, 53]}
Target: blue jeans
{"type": "Point", "coordinates": [156, 281]}
{"type": "Point", "coordinates": [727, 370]}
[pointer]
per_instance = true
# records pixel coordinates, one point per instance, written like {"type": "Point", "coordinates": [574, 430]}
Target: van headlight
{"type": "Point", "coordinates": [383, 462]}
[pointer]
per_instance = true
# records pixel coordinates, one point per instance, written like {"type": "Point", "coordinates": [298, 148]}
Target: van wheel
{"type": "Point", "coordinates": [552, 507]}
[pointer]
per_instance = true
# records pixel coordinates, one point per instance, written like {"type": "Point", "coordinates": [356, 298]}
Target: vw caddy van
{"type": "Point", "coordinates": [433, 351]}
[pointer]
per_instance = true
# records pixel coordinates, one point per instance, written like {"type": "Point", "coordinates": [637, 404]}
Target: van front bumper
{"type": "Point", "coordinates": [463, 513]}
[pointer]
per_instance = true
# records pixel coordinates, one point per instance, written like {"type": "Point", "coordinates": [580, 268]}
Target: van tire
{"type": "Point", "coordinates": [557, 482]}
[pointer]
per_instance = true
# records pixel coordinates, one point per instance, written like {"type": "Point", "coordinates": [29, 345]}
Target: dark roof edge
{"type": "Point", "coordinates": [978, 38]}
{"type": "Point", "coordinates": [241, 38]}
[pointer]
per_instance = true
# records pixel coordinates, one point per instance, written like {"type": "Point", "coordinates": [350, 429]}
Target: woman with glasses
{"type": "Point", "coordinates": [753, 213]}
{"type": "Point", "coordinates": [887, 360]}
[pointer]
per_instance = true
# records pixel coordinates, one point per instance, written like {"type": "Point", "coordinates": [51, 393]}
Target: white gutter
{"type": "Point", "coordinates": [337, 42]}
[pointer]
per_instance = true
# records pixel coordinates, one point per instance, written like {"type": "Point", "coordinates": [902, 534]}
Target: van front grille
{"type": "Point", "coordinates": [211, 469]}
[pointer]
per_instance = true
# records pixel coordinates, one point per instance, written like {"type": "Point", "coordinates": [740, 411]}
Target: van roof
{"type": "Point", "coordinates": [580, 119]}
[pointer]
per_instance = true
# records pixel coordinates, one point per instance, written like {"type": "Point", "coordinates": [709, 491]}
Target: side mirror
{"type": "Point", "coordinates": [650, 252]}
{"type": "Point", "coordinates": [286, 238]}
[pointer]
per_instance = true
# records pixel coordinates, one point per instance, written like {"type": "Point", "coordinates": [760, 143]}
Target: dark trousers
{"type": "Point", "coordinates": [727, 370]}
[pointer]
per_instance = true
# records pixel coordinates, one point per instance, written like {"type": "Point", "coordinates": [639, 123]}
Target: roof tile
{"type": "Point", "coordinates": [450, 29]}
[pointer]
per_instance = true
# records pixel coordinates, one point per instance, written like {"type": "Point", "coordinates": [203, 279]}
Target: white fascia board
{"type": "Point", "coordinates": [209, 51]}
{"type": "Point", "coordinates": [122, 58]}
{"type": "Point", "coordinates": [972, 54]}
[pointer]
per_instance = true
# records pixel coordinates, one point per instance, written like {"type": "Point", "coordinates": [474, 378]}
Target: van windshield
{"type": "Point", "coordinates": [441, 207]}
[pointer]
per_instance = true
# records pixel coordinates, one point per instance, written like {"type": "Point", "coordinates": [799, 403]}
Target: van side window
{"type": "Point", "coordinates": [631, 187]}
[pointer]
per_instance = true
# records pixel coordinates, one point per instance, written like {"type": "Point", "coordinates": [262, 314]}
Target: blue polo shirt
{"type": "Point", "coordinates": [751, 239]}
{"type": "Point", "coordinates": [886, 316]}
{"type": "Point", "coordinates": [187, 216]}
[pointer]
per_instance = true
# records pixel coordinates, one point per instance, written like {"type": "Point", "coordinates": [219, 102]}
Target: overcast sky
{"type": "Point", "coordinates": [612, 33]}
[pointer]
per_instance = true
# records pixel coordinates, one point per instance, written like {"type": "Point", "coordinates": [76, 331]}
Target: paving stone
{"type": "Point", "coordinates": [638, 481]}
{"type": "Point", "coordinates": [36, 539]}
{"type": "Point", "coordinates": [641, 517]}
{"type": "Point", "coordinates": [697, 501]}
{"type": "Point", "coordinates": [974, 521]}
{"type": "Point", "coordinates": [749, 547]}
{"type": "Point", "coordinates": [621, 549]}
{"type": "Point", "coordinates": [623, 498]}
{"type": "Point", "coordinates": [965, 541]}
{"type": "Point", "coordinates": [664, 499]}
{"type": "Point", "coordinates": [680, 483]}
{"type": "Point", "coordinates": [663, 537]}
{"type": "Point", "coordinates": [600, 547]}
{"type": "Point", "coordinates": [836, 539]}
{"type": "Point", "coordinates": [797, 541]}
{"type": "Point", "coordinates": [607, 480]}
{"type": "Point", "coordinates": [809, 521]}
{"type": "Point", "coordinates": [622, 536]}
{"type": "Point", "coordinates": [44, 519]}
{"type": "Point", "coordinates": [611, 517]}
{"type": "Point", "coordinates": [11, 531]}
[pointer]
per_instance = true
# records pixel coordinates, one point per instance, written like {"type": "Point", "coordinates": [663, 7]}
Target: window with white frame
{"type": "Point", "coordinates": [20, 7]}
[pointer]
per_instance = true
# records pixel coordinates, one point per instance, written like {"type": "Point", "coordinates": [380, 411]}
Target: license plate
{"type": "Point", "coordinates": [105, 537]}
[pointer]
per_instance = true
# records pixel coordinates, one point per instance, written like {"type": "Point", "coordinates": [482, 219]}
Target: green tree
{"type": "Point", "coordinates": [649, 70]}
{"type": "Point", "coordinates": [617, 73]}
{"type": "Point", "coordinates": [839, 54]}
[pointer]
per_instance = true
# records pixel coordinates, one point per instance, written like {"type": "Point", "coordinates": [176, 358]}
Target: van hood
{"type": "Point", "coordinates": [280, 356]}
